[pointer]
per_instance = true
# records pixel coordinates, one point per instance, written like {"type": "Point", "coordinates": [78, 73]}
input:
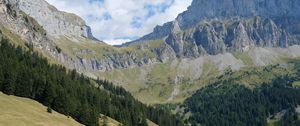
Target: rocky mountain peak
{"type": "Point", "coordinates": [201, 10]}
{"type": "Point", "coordinates": [204, 9]}
{"type": "Point", "coordinates": [55, 22]}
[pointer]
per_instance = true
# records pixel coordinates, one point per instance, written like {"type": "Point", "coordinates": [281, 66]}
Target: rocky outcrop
{"type": "Point", "coordinates": [224, 9]}
{"type": "Point", "coordinates": [219, 26]}
{"type": "Point", "coordinates": [55, 22]}
{"type": "Point", "coordinates": [31, 32]}
{"type": "Point", "coordinates": [25, 27]}
{"type": "Point", "coordinates": [220, 36]}
{"type": "Point", "coordinates": [228, 9]}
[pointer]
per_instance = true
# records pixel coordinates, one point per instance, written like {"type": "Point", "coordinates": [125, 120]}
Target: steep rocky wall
{"type": "Point", "coordinates": [22, 26]}
{"type": "Point", "coordinates": [55, 22]}
{"type": "Point", "coordinates": [220, 36]}
{"type": "Point", "coordinates": [230, 9]}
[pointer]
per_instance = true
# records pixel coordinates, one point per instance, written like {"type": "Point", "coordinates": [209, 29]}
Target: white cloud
{"type": "Point", "coordinates": [122, 20]}
{"type": "Point", "coordinates": [116, 41]}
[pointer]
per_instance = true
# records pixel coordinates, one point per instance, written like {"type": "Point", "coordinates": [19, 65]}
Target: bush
{"type": "Point", "coordinates": [49, 110]}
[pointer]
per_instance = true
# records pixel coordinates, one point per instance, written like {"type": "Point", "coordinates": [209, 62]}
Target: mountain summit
{"type": "Point", "coordinates": [218, 26]}
{"type": "Point", "coordinates": [228, 9]}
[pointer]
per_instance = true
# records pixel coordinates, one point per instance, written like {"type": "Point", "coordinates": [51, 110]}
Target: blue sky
{"type": "Point", "coordinates": [118, 21]}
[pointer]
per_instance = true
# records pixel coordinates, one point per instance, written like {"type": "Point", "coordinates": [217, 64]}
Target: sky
{"type": "Point", "coordinates": [119, 21]}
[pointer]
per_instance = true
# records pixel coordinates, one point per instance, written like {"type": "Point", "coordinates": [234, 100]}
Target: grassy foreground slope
{"type": "Point", "coordinates": [16, 111]}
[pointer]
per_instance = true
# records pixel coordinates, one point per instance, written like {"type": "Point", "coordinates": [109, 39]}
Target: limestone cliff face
{"type": "Point", "coordinates": [25, 27]}
{"type": "Point", "coordinates": [220, 36]}
{"type": "Point", "coordinates": [278, 10]}
{"type": "Point", "coordinates": [224, 9]}
{"type": "Point", "coordinates": [55, 22]}
{"type": "Point", "coordinates": [32, 33]}
{"type": "Point", "coordinates": [218, 26]}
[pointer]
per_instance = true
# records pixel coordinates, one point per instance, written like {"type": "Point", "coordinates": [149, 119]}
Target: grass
{"type": "Point", "coordinates": [209, 72]}
{"type": "Point", "coordinates": [296, 84]}
{"type": "Point", "coordinates": [73, 48]}
{"type": "Point", "coordinates": [244, 57]}
{"type": "Point", "coordinates": [99, 50]}
{"type": "Point", "coordinates": [149, 84]}
{"type": "Point", "coordinates": [111, 122]}
{"type": "Point", "coordinates": [35, 25]}
{"type": "Point", "coordinates": [15, 39]}
{"type": "Point", "coordinates": [108, 121]}
{"type": "Point", "coordinates": [274, 123]}
{"type": "Point", "coordinates": [16, 111]}
{"type": "Point", "coordinates": [154, 84]}
{"type": "Point", "coordinates": [150, 123]}
{"type": "Point", "coordinates": [255, 76]}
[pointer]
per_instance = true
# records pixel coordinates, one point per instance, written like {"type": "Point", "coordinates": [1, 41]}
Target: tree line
{"type": "Point", "coordinates": [226, 103]}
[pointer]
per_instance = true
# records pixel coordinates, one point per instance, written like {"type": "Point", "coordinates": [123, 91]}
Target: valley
{"type": "Point", "coordinates": [219, 63]}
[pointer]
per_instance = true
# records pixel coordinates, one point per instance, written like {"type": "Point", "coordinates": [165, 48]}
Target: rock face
{"type": "Point", "coordinates": [222, 9]}
{"type": "Point", "coordinates": [32, 33]}
{"type": "Point", "coordinates": [218, 26]}
{"type": "Point", "coordinates": [55, 22]}
{"type": "Point", "coordinates": [25, 27]}
{"type": "Point", "coordinates": [220, 36]}
{"type": "Point", "coordinates": [230, 9]}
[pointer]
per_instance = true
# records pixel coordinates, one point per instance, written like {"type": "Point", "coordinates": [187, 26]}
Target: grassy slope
{"type": "Point", "coordinates": [109, 121]}
{"type": "Point", "coordinates": [73, 48]}
{"type": "Point", "coordinates": [296, 84]}
{"type": "Point", "coordinates": [11, 36]}
{"type": "Point", "coordinates": [155, 83]}
{"type": "Point", "coordinates": [16, 111]}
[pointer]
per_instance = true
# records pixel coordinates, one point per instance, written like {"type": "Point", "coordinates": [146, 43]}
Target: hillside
{"type": "Point", "coordinates": [25, 73]}
{"type": "Point", "coordinates": [176, 59]}
{"type": "Point", "coordinates": [219, 63]}
{"type": "Point", "coordinates": [257, 96]}
{"type": "Point", "coordinates": [16, 111]}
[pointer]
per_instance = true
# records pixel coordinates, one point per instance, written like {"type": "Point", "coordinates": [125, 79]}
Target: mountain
{"type": "Point", "coordinates": [218, 26]}
{"type": "Point", "coordinates": [210, 37]}
{"type": "Point", "coordinates": [223, 62]}
{"type": "Point", "coordinates": [25, 73]}
{"type": "Point", "coordinates": [55, 22]}
{"type": "Point", "coordinates": [176, 59]}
